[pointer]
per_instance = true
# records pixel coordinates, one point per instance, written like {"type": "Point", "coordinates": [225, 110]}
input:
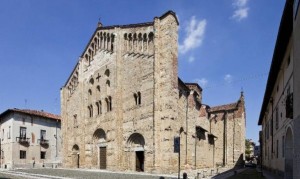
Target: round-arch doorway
{"type": "Point", "coordinates": [136, 143]}
{"type": "Point", "coordinates": [288, 154]}
{"type": "Point", "coordinates": [75, 154]}
{"type": "Point", "coordinates": [99, 138]}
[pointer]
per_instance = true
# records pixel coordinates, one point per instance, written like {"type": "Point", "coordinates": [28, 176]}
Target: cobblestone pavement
{"type": "Point", "coordinates": [7, 176]}
{"type": "Point", "coordinates": [79, 173]}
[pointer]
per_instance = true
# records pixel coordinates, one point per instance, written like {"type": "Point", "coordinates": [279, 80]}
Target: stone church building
{"type": "Point", "coordinates": [124, 107]}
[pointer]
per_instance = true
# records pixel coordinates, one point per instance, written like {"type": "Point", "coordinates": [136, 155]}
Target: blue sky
{"type": "Point", "coordinates": [225, 46]}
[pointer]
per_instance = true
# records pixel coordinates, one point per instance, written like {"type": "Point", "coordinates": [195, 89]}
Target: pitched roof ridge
{"type": "Point", "coordinates": [224, 107]}
{"type": "Point", "coordinates": [126, 25]}
{"type": "Point", "coordinates": [36, 113]}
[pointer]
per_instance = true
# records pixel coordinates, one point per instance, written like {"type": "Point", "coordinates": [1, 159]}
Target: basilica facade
{"type": "Point", "coordinates": [125, 108]}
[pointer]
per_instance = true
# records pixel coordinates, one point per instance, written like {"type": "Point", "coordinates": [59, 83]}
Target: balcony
{"type": "Point", "coordinates": [23, 140]}
{"type": "Point", "coordinates": [289, 106]}
{"type": "Point", "coordinates": [43, 142]}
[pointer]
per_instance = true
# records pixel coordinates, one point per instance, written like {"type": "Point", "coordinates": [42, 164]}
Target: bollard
{"type": "Point", "coordinates": [184, 175]}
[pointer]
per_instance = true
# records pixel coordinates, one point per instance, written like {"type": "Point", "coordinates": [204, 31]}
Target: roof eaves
{"type": "Point", "coordinates": [170, 13]}
{"type": "Point", "coordinates": [71, 73]}
{"type": "Point", "coordinates": [283, 37]}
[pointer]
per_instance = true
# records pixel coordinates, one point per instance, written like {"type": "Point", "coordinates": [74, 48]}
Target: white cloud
{"type": "Point", "coordinates": [228, 78]}
{"type": "Point", "coordinates": [240, 14]}
{"type": "Point", "coordinates": [194, 34]}
{"type": "Point", "coordinates": [241, 9]}
{"type": "Point", "coordinates": [240, 3]}
{"type": "Point", "coordinates": [191, 59]}
{"type": "Point", "coordinates": [202, 82]}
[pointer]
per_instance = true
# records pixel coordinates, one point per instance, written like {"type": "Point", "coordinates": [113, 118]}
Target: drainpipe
{"type": "Point", "coordinates": [186, 123]}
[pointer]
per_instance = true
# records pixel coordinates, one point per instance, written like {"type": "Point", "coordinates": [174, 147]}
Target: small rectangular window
{"type": "Point", "coordinates": [22, 154]}
{"type": "Point", "coordinates": [43, 155]}
{"type": "Point", "coordinates": [23, 132]}
{"type": "Point", "coordinates": [43, 135]}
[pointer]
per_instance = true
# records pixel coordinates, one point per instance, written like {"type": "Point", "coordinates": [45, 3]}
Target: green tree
{"type": "Point", "coordinates": [248, 144]}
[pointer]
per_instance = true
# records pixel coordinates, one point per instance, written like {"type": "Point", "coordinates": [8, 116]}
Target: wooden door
{"type": "Point", "coordinates": [102, 157]}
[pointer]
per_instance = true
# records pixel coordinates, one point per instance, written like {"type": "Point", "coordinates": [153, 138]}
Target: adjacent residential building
{"type": "Point", "coordinates": [280, 112]}
{"type": "Point", "coordinates": [29, 139]}
{"type": "Point", "coordinates": [257, 151]}
{"type": "Point", "coordinates": [124, 107]}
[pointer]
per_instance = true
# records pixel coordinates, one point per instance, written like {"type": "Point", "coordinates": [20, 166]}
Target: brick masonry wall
{"type": "Point", "coordinates": [148, 67]}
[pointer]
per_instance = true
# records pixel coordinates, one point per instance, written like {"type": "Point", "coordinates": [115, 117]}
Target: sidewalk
{"type": "Point", "coordinates": [269, 175]}
{"type": "Point", "coordinates": [228, 173]}
{"type": "Point", "coordinates": [247, 173]}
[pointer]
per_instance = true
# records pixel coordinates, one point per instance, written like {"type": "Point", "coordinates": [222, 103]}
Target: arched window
{"type": "Point", "coordinates": [90, 54]}
{"type": "Point", "coordinates": [129, 42]}
{"type": "Point", "coordinates": [92, 81]}
{"type": "Point", "coordinates": [125, 42]}
{"type": "Point", "coordinates": [99, 107]}
{"type": "Point", "coordinates": [93, 50]}
{"type": "Point", "coordinates": [134, 42]}
{"type": "Point", "coordinates": [112, 42]}
{"type": "Point", "coordinates": [140, 42]}
{"type": "Point", "coordinates": [107, 87]}
{"type": "Point", "coordinates": [137, 98]}
{"type": "Point", "coordinates": [90, 108]}
{"type": "Point", "coordinates": [145, 43]}
{"type": "Point", "coordinates": [97, 104]}
{"type": "Point", "coordinates": [108, 42]}
{"type": "Point", "coordinates": [107, 73]}
{"type": "Point", "coordinates": [108, 103]}
{"type": "Point", "coordinates": [101, 41]}
{"type": "Point", "coordinates": [151, 43]}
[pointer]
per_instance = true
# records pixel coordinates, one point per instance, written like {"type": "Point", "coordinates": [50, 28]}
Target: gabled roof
{"type": "Point", "coordinates": [144, 24]}
{"type": "Point", "coordinates": [194, 84]}
{"type": "Point", "coordinates": [182, 84]}
{"type": "Point", "coordinates": [283, 37]}
{"type": "Point", "coordinates": [225, 107]}
{"type": "Point", "coordinates": [32, 112]}
{"type": "Point", "coordinates": [100, 27]}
